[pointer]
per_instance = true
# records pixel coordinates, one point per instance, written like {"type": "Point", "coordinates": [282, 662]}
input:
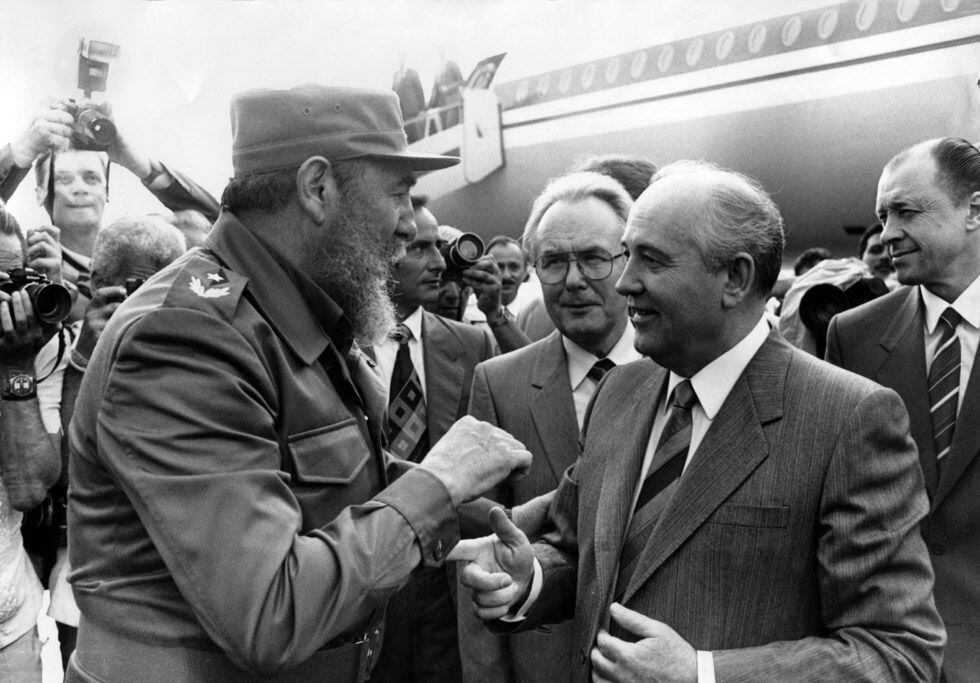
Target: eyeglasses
{"type": "Point", "coordinates": [593, 264]}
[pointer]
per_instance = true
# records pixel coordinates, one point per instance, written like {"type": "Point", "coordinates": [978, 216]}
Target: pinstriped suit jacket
{"type": "Point", "coordinates": [884, 340]}
{"type": "Point", "coordinates": [791, 548]}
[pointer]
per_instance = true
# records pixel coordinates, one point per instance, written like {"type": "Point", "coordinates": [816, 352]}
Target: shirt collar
{"type": "Point", "coordinates": [967, 305]}
{"type": "Point", "coordinates": [302, 312]}
{"type": "Point", "coordinates": [581, 361]}
{"type": "Point", "coordinates": [414, 324]}
{"type": "Point", "coordinates": [715, 381]}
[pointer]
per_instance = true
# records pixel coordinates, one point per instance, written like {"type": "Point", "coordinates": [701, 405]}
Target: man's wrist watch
{"type": "Point", "coordinates": [499, 320]}
{"type": "Point", "coordinates": [19, 386]}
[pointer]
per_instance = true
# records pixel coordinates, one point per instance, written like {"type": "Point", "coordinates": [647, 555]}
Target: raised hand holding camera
{"type": "Point", "coordinates": [44, 251]}
{"type": "Point", "coordinates": [51, 129]}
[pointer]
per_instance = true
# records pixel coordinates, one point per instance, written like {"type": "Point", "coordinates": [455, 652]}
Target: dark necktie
{"type": "Point", "coordinates": [407, 431]}
{"type": "Point", "coordinates": [944, 384]}
{"type": "Point", "coordinates": [599, 369]}
{"type": "Point", "coordinates": [665, 469]}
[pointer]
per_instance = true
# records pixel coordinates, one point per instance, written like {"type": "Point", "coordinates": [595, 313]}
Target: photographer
{"type": "Point", "coordinates": [29, 458]}
{"type": "Point", "coordinates": [483, 278]}
{"type": "Point", "coordinates": [72, 182]}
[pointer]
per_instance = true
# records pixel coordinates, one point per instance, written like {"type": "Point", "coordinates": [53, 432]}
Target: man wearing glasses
{"type": "Point", "coordinates": [540, 393]}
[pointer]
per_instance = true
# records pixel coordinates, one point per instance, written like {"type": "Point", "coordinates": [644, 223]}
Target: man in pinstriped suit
{"type": "Point", "coordinates": [741, 510]}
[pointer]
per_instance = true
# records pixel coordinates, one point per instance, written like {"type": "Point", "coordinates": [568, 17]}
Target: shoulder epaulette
{"type": "Point", "coordinates": [205, 285]}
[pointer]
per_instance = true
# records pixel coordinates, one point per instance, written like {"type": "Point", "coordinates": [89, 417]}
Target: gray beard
{"type": "Point", "coordinates": [354, 270]}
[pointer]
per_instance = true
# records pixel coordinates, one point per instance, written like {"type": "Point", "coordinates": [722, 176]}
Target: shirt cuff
{"type": "Point", "coordinates": [706, 667]}
{"type": "Point", "coordinates": [537, 580]}
{"type": "Point", "coordinates": [426, 505]}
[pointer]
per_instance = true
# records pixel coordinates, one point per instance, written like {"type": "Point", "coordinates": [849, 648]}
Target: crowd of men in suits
{"type": "Point", "coordinates": [274, 446]}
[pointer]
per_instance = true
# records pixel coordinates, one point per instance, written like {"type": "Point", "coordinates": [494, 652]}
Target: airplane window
{"type": "Point", "coordinates": [723, 47]}
{"type": "Point", "coordinates": [791, 30]}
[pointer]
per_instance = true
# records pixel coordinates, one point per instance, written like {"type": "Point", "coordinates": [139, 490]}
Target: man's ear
{"type": "Point", "coordinates": [316, 189]}
{"type": "Point", "coordinates": [740, 280]}
{"type": "Point", "coordinates": [973, 218]}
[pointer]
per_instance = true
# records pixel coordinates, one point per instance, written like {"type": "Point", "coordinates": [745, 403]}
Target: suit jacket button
{"type": "Point", "coordinates": [437, 551]}
{"type": "Point", "coordinates": [938, 549]}
{"type": "Point", "coordinates": [583, 656]}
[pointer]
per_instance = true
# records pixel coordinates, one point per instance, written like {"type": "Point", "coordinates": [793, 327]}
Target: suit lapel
{"type": "Point", "coordinates": [552, 408]}
{"type": "Point", "coordinates": [732, 449]}
{"type": "Point", "coordinates": [903, 368]}
{"type": "Point", "coordinates": [966, 438]}
{"type": "Point", "coordinates": [444, 375]}
{"type": "Point", "coordinates": [621, 474]}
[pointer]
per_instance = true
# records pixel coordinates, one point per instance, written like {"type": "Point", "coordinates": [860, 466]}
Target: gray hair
{"type": "Point", "coordinates": [740, 216]}
{"type": "Point", "coordinates": [130, 240]}
{"type": "Point", "coordinates": [575, 187]}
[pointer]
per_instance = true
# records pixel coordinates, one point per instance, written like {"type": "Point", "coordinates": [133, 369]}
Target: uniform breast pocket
{"type": "Point", "coordinates": [334, 454]}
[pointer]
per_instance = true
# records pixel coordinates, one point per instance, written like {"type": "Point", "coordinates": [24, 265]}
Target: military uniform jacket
{"type": "Point", "coordinates": [228, 487]}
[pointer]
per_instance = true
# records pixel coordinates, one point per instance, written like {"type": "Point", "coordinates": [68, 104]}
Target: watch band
{"type": "Point", "coordinates": [500, 320]}
{"type": "Point", "coordinates": [20, 386]}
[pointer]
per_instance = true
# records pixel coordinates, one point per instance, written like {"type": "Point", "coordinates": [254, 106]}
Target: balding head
{"type": "Point", "coordinates": [705, 247]}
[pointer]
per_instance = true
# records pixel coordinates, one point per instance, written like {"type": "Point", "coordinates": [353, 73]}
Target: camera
{"type": "Point", "coordinates": [823, 301]}
{"type": "Point", "coordinates": [133, 283]}
{"type": "Point", "coordinates": [93, 128]}
{"type": "Point", "coordinates": [51, 301]}
{"type": "Point", "coordinates": [460, 253]}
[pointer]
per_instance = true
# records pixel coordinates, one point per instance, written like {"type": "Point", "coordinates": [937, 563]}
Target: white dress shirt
{"type": "Point", "coordinates": [967, 305]}
{"type": "Point", "coordinates": [387, 351]}
{"type": "Point", "coordinates": [581, 361]}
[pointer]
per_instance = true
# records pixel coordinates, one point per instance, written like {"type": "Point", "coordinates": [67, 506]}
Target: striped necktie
{"type": "Point", "coordinates": [407, 427]}
{"type": "Point", "coordinates": [665, 469]}
{"type": "Point", "coordinates": [599, 369]}
{"type": "Point", "coordinates": [944, 384]}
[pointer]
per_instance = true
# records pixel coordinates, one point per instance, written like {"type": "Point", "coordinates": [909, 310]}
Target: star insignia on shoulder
{"type": "Point", "coordinates": [209, 292]}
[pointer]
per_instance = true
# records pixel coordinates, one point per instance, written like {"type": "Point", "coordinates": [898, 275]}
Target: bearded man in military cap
{"type": "Point", "coordinates": [233, 514]}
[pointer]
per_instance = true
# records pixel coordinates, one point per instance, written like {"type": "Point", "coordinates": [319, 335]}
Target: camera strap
{"type": "Point", "coordinates": [62, 347]}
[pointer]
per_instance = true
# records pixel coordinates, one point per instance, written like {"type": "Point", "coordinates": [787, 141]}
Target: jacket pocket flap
{"type": "Point", "coordinates": [752, 515]}
{"type": "Point", "coordinates": [334, 454]}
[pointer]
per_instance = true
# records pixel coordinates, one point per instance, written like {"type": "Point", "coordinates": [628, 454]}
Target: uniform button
{"type": "Point", "coordinates": [938, 549]}
{"type": "Point", "coordinates": [583, 658]}
{"type": "Point", "coordinates": [437, 553]}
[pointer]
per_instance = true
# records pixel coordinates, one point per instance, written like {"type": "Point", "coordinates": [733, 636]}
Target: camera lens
{"type": "Point", "coordinates": [99, 127]}
{"type": "Point", "coordinates": [52, 303]}
{"type": "Point", "coordinates": [469, 247]}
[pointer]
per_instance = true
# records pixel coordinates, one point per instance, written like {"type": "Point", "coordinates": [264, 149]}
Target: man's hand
{"type": "Point", "coordinates": [660, 654]}
{"type": "Point", "coordinates": [530, 517]}
{"type": "Point", "coordinates": [44, 251]}
{"type": "Point", "coordinates": [21, 333]}
{"type": "Point", "coordinates": [500, 567]}
{"type": "Point", "coordinates": [473, 457]}
{"type": "Point", "coordinates": [50, 130]}
{"type": "Point", "coordinates": [484, 277]}
{"type": "Point", "coordinates": [124, 154]}
{"type": "Point", "coordinates": [104, 303]}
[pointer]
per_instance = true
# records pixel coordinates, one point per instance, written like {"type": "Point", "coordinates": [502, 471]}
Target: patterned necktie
{"type": "Point", "coordinates": [407, 431]}
{"type": "Point", "coordinates": [599, 369]}
{"type": "Point", "coordinates": [944, 384]}
{"type": "Point", "coordinates": [665, 469]}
